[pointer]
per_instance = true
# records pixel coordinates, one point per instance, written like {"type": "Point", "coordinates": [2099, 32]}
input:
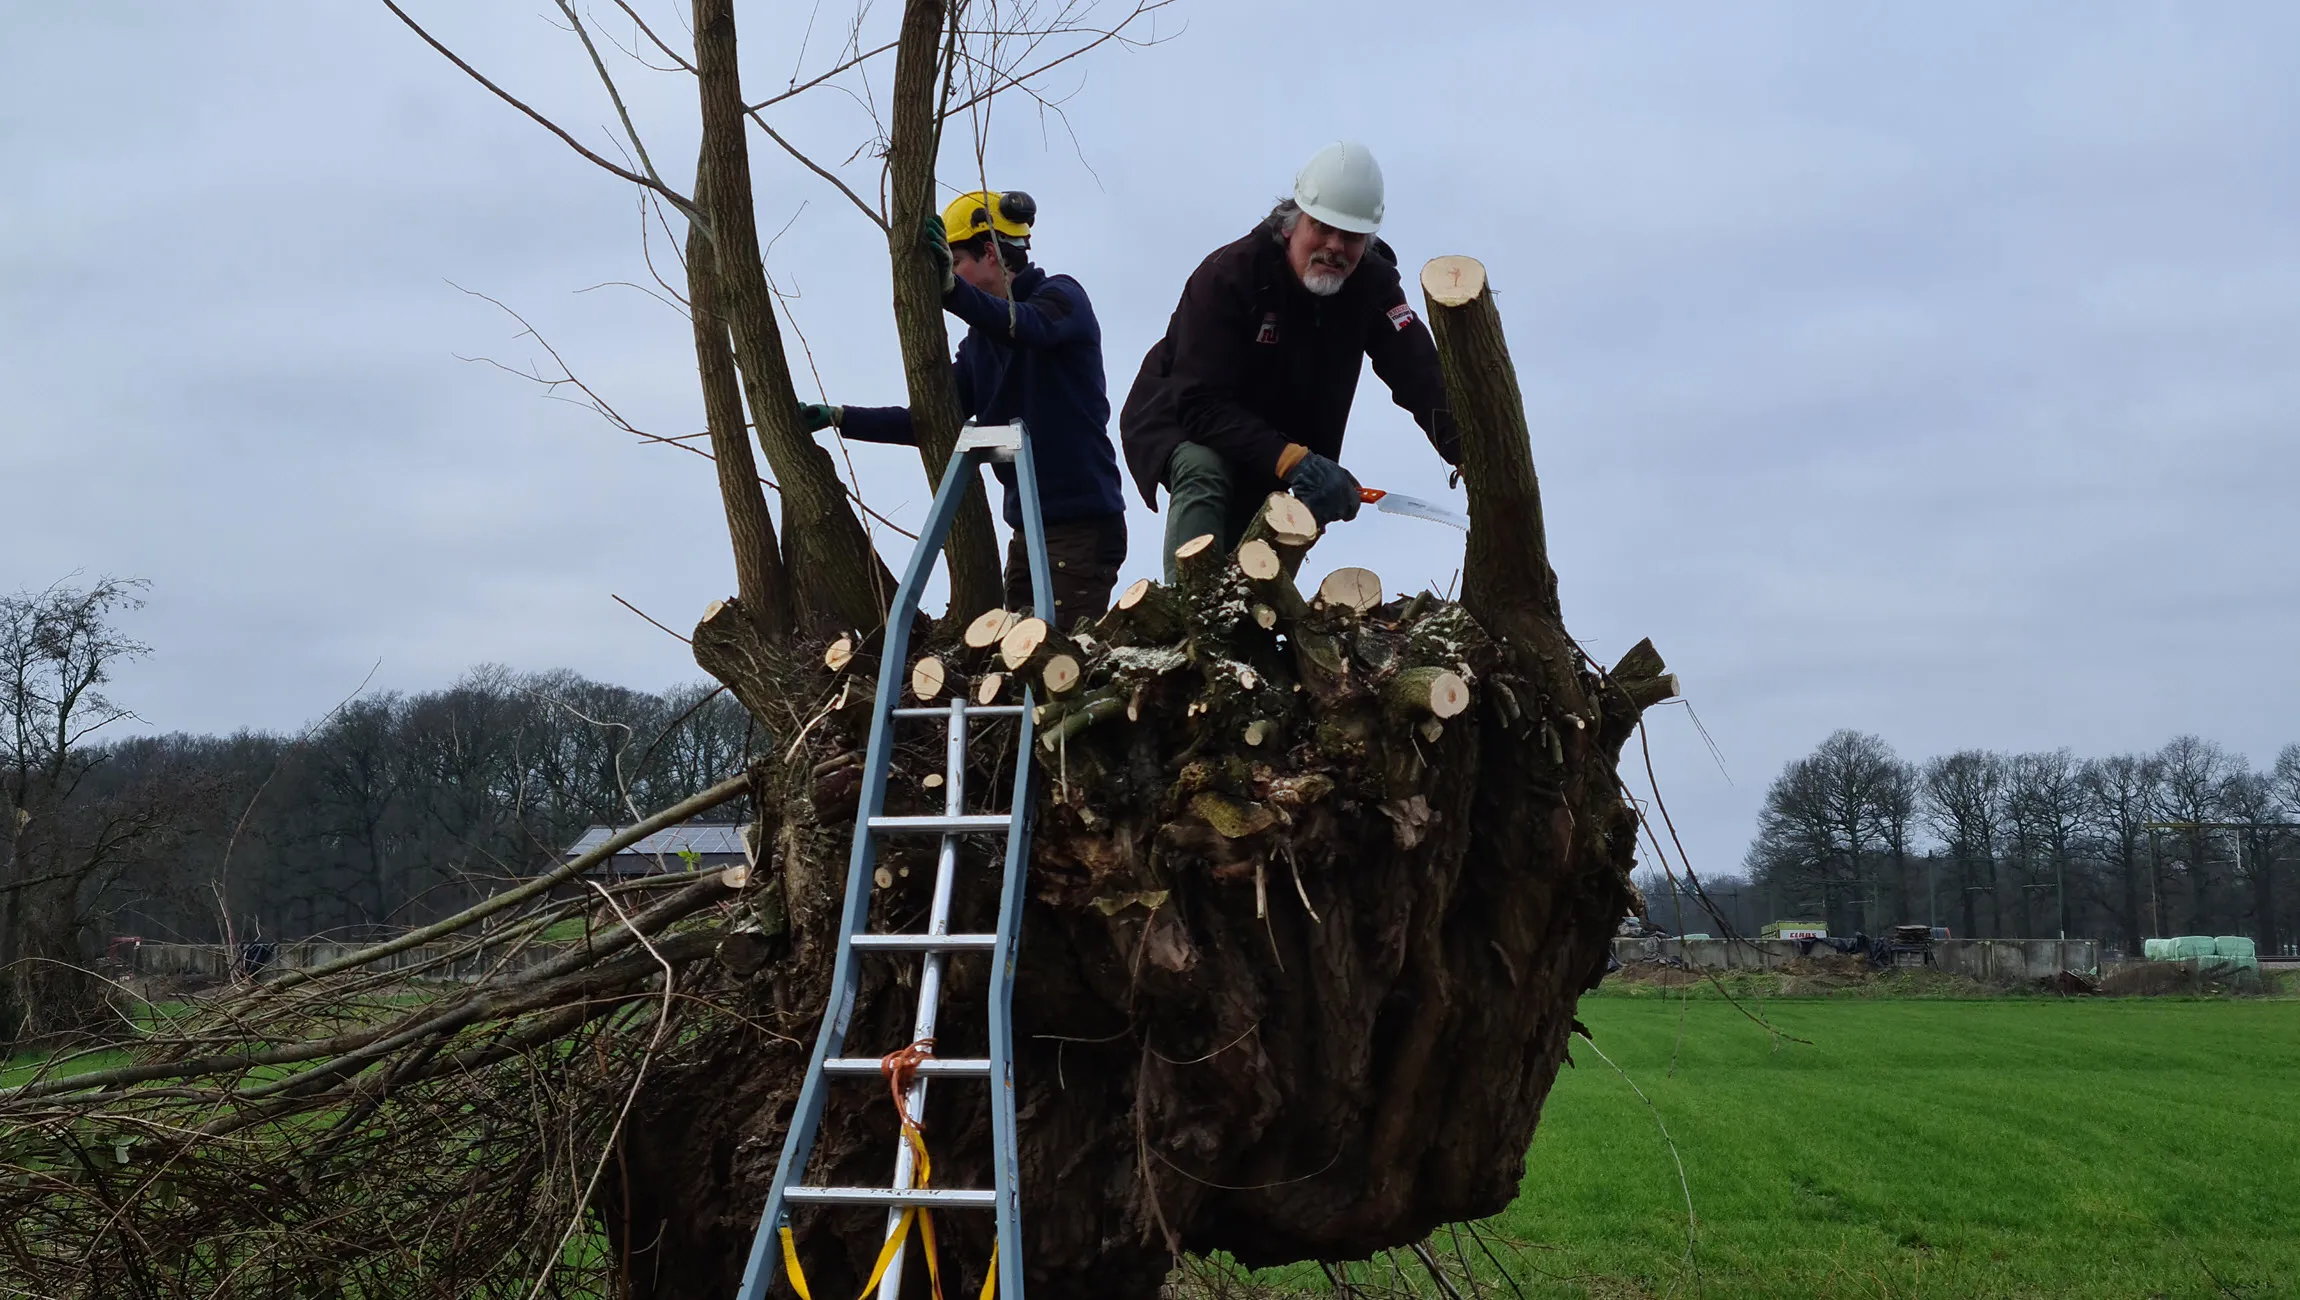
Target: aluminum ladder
{"type": "Point", "coordinates": [977, 445]}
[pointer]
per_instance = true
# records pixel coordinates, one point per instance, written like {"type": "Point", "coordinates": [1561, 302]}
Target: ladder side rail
{"type": "Point", "coordinates": [1007, 1183]}
{"type": "Point", "coordinates": [806, 1117]}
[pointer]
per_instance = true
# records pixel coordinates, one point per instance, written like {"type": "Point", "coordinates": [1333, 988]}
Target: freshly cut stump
{"type": "Point", "coordinates": [1356, 590]}
{"type": "Point", "coordinates": [1259, 560]}
{"type": "Point", "coordinates": [1061, 673]}
{"type": "Point", "coordinates": [926, 679]}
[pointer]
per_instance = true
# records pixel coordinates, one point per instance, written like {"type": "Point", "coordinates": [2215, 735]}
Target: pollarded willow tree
{"type": "Point", "coordinates": [1319, 877]}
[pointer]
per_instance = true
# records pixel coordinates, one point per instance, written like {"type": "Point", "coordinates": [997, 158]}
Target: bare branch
{"type": "Point", "coordinates": [630, 131]}
{"type": "Point", "coordinates": [1102, 36]}
{"type": "Point", "coordinates": [660, 44]}
{"type": "Point", "coordinates": [803, 87]}
{"type": "Point", "coordinates": [818, 169]}
{"type": "Point", "coordinates": [676, 199]}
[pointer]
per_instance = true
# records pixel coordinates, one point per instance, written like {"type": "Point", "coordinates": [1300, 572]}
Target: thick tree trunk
{"type": "Point", "coordinates": [914, 138]}
{"type": "Point", "coordinates": [760, 583]}
{"type": "Point", "coordinates": [837, 581]}
{"type": "Point", "coordinates": [1496, 462]}
{"type": "Point", "coordinates": [1312, 905]}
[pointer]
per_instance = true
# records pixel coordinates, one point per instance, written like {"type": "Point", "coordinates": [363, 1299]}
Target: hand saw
{"type": "Point", "coordinates": [1391, 503]}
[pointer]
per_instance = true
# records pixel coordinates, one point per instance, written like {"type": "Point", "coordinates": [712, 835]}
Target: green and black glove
{"type": "Point", "coordinates": [814, 417]}
{"type": "Point", "coordinates": [936, 241]}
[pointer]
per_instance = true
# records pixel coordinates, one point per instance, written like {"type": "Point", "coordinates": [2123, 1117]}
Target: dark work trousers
{"type": "Point", "coordinates": [1201, 498]}
{"type": "Point", "coordinates": [1083, 555]}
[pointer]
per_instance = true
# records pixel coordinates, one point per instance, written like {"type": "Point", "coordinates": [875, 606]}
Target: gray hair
{"type": "Point", "coordinates": [1282, 219]}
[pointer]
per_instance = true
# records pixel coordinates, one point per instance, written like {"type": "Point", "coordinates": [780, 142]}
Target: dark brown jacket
{"type": "Point", "coordinates": [1252, 361]}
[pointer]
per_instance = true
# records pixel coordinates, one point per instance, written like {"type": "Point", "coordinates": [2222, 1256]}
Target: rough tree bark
{"type": "Point", "coordinates": [837, 580]}
{"type": "Point", "coordinates": [914, 140]}
{"type": "Point", "coordinates": [761, 586]}
{"type": "Point", "coordinates": [1303, 950]}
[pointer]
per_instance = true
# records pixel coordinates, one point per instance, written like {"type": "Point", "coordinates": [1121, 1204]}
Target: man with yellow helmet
{"type": "Point", "coordinates": [1033, 351]}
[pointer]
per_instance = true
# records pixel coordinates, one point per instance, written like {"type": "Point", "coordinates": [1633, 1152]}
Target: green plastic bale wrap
{"type": "Point", "coordinates": [2194, 945]}
{"type": "Point", "coordinates": [2159, 950]}
{"type": "Point", "coordinates": [2237, 946]}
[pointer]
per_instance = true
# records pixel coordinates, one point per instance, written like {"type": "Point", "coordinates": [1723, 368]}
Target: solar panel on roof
{"type": "Point", "coordinates": [703, 838]}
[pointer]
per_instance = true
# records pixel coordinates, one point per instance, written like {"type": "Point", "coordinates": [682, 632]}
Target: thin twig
{"type": "Point", "coordinates": [1692, 1224]}
{"type": "Point", "coordinates": [650, 618]}
{"type": "Point", "coordinates": [676, 199]}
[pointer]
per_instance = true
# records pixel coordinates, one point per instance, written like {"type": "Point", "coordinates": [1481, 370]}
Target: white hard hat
{"type": "Point", "coordinates": [1341, 185]}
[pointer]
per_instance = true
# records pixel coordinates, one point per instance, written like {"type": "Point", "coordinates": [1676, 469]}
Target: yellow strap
{"type": "Point", "coordinates": [990, 1283]}
{"type": "Point", "coordinates": [926, 1242]}
{"type": "Point", "coordinates": [894, 1239]}
{"type": "Point", "coordinates": [887, 1252]}
{"type": "Point", "coordinates": [917, 1142]}
{"type": "Point", "coordinates": [791, 1265]}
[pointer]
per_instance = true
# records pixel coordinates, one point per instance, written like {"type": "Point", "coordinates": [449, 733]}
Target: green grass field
{"type": "Point", "coordinates": [2023, 1147]}
{"type": "Point", "coordinates": [1914, 1147]}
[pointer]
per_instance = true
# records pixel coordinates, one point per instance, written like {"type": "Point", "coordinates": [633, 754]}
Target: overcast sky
{"type": "Point", "coordinates": [1928, 369]}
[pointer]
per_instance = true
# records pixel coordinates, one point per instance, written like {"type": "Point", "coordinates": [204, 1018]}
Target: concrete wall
{"type": "Point", "coordinates": [2000, 960]}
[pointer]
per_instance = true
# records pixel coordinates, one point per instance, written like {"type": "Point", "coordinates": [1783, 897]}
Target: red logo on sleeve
{"type": "Point", "coordinates": [1401, 316]}
{"type": "Point", "coordinates": [1269, 330]}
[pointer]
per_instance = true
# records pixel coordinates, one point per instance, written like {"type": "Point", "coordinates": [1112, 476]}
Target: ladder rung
{"type": "Point", "coordinates": [926, 942]}
{"type": "Point", "coordinates": [963, 1066]}
{"type": "Point", "coordinates": [968, 823]}
{"type": "Point", "coordinates": [970, 1198]}
{"type": "Point", "coordinates": [972, 711]}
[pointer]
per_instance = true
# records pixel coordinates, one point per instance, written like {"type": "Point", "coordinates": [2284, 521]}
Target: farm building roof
{"type": "Point", "coordinates": [705, 838]}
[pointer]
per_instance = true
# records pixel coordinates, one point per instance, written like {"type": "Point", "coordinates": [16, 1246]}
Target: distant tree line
{"type": "Point", "coordinates": [2189, 839]}
{"type": "Point", "coordinates": [398, 809]}
{"type": "Point", "coordinates": [391, 810]}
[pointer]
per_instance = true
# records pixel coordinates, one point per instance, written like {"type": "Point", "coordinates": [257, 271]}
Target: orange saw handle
{"type": "Point", "coordinates": [1371, 495]}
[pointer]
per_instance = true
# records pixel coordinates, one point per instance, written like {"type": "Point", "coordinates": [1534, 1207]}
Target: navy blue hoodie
{"type": "Point", "coordinates": [1038, 358]}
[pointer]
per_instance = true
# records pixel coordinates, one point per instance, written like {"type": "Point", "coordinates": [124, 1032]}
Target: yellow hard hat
{"type": "Point", "coordinates": [1008, 214]}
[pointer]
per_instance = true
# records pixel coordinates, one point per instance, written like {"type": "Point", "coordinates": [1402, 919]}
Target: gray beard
{"type": "Point", "coordinates": [1324, 281]}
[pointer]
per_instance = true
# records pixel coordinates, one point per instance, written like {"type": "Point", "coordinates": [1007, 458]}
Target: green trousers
{"type": "Point", "coordinates": [1201, 500]}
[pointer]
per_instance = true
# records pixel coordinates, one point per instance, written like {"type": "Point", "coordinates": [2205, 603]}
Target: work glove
{"type": "Point", "coordinates": [814, 417]}
{"type": "Point", "coordinates": [1330, 491]}
{"type": "Point", "coordinates": [936, 241]}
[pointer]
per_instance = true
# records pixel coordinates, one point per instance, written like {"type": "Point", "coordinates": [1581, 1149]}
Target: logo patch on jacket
{"type": "Point", "coordinates": [1269, 331]}
{"type": "Point", "coordinates": [1401, 316]}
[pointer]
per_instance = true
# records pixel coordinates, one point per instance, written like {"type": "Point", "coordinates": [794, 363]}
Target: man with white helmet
{"type": "Point", "coordinates": [1250, 390]}
{"type": "Point", "coordinates": [1033, 351]}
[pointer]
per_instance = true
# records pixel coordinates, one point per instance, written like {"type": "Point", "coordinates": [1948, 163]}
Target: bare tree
{"type": "Point", "coordinates": [1962, 808]}
{"type": "Point", "coordinates": [1898, 787]}
{"type": "Point", "coordinates": [2045, 802]}
{"type": "Point", "coordinates": [2252, 802]}
{"type": "Point", "coordinates": [2192, 794]}
{"type": "Point", "coordinates": [1824, 820]}
{"type": "Point", "coordinates": [1379, 1053]}
{"type": "Point", "coordinates": [58, 650]}
{"type": "Point", "coordinates": [2123, 794]}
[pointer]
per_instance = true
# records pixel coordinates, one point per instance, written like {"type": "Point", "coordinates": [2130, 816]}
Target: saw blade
{"type": "Point", "coordinates": [1415, 507]}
